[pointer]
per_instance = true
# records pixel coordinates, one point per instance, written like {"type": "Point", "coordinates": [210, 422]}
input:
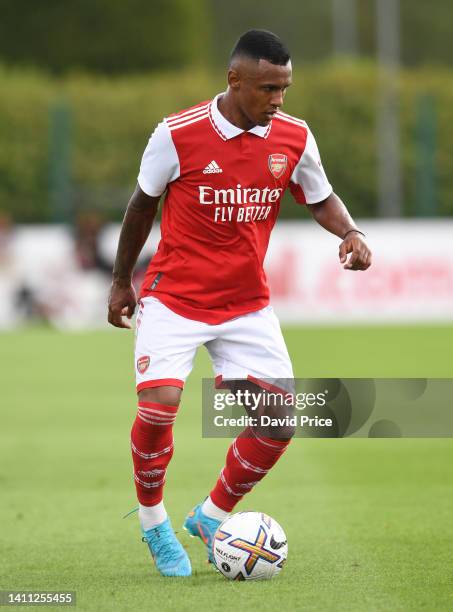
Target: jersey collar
{"type": "Point", "coordinates": [227, 130]}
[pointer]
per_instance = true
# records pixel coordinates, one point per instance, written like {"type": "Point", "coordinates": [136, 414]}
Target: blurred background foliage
{"type": "Point", "coordinates": [117, 37]}
{"type": "Point", "coordinates": [83, 84]}
{"type": "Point", "coordinates": [104, 36]}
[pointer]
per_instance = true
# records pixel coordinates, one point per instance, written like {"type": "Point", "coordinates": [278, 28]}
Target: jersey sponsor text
{"type": "Point", "coordinates": [243, 214]}
{"type": "Point", "coordinates": [239, 195]}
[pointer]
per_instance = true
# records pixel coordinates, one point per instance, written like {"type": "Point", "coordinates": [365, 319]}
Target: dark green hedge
{"type": "Point", "coordinates": [110, 121]}
{"type": "Point", "coordinates": [104, 36]}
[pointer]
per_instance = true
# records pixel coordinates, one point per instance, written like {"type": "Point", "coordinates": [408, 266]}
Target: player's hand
{"type": "Point", "coordinates": [122, 303]}
{"type": "Point", "coordinates": [360, 258]}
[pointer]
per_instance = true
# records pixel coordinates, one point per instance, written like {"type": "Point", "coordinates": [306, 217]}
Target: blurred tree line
{"type": "Point", "coordinates": [108, 122]}
{"type": "Point", "coordinates": [307, 27]}
{"type": "Point", "coordinates": [83, 83]}
{"type": "Point", "coordinates": [118, 36]}
{"type": "Point", "coordinates": [104, 36]}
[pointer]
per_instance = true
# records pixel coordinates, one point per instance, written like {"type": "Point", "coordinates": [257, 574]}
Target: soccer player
{"type": "Point", "coordinates": [223, 165]}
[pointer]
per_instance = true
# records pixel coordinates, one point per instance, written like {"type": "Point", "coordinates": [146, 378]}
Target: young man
{"type": "Point", "coordinates": [224, 165]}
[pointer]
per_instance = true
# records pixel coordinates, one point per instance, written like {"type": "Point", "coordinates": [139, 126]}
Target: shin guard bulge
{"type": "Point", "coordinates": [248, 460]}
{"type": "Point", "coordinates": [152, 449]}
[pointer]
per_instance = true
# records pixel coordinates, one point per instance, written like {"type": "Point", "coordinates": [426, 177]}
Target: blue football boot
{"type": "Point", "coordinates": [169, 556]}
{"type": "Point", "coordinates": [201, 526]}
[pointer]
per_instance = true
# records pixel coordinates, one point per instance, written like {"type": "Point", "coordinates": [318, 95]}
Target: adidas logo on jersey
{"type": "Point", "coordinates": [212, 168]}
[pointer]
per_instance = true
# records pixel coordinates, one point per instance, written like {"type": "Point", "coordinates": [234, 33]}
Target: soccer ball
{"type": "Point", "coordinates": [250, 546]}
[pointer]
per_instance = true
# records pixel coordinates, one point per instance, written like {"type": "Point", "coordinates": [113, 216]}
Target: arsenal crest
{"type": "Point", "coordinates": [277, 164]}
{"type": "Point", "coordinates": [142, 364]}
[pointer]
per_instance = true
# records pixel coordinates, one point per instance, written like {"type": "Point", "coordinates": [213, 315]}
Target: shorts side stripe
{"type": "Point", "coordinates": [161, 382]}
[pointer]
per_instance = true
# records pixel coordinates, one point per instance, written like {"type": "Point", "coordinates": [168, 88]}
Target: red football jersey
{"type": "Point", "coordinates": [223, 190]}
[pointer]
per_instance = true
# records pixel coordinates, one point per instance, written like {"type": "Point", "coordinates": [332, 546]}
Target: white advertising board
{"type": "Point", "coordinates": [410, 280]}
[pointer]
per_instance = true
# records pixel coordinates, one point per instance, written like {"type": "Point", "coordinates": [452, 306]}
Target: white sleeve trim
{"type": "Point", "coordinates": [160, 162]}
{"type": "Point", "coordinates": [309, 173]}
{"type": "Point", "coordinates": [321, 196]}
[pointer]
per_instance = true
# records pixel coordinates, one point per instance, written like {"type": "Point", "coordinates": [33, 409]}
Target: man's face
{"type": "Point", "coordinates": [259, 88]}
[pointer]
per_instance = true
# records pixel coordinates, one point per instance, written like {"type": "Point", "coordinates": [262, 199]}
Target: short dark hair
{"type": "Point", "coordinates": [261, 44]}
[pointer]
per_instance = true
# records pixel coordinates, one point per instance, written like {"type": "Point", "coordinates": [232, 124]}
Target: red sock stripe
{"type": "Point", "coordinates": [157, 412]}
{"type": "Point", "coordinates": [152, 421]}
{"type": "Point", "coordinates": [149, 485]}
{"type": "Point", "coordinates": [269, 442]}
{"type": "Point", "coordinates": [272, 443]}
{"type": "Point", "coordinates": [168, 449]}
{"type": "Point", "coordinates": [165, 407]}
{"type": "Point", "coordinates": [152, 449]}
{"type": "Point", "coordinates": [249, 459]}
{"type": "Point", "coordinates": [246, 464]}
{"type": "Point", "coordinates": [158, 416]}
{"type": "Point", "coordinates": [227, 486]}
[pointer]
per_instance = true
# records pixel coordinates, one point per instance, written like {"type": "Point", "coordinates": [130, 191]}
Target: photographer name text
{"type": "Point", "coordinates": [301, 420]}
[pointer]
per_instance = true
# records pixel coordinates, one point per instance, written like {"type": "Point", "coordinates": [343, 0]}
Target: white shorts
{"type": "Point", "coordinates": [250, 347]}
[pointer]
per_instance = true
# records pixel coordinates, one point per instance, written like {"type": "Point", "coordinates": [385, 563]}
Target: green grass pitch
{"type": "Point", "coordinates": [369, 522]}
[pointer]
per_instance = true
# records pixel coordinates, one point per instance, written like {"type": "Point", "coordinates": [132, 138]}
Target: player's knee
{"type": "Point", "coordinates": [281, 421]}
{"type": "Point", "coordinates": [170, 396]}
{"type": "Point", "coordinates": [283, 433]}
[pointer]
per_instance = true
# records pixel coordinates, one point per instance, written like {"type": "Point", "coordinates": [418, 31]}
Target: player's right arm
{"type": "Point", "coordinates": [159, 167]}
{"type": "Point", "coordinates": [136, 227]}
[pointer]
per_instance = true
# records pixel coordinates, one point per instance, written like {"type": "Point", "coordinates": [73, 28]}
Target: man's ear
{"type": "Point", "coordinates": [233, 78]}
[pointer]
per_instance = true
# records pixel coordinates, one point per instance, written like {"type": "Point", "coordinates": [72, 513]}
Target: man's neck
{"type": "Point", "coordinates": [232, 113]}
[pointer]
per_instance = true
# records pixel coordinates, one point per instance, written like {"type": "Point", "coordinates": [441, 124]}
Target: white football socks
{"type": "Point", "coordinates": [150, 516]}
{"type": "Point", "coordinates": [212, 511]}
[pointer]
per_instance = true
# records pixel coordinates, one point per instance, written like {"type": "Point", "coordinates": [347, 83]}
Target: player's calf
{"type": "Point", "coordinates": [249, 459]}
{"type": "Point", "coordinates": [152, 450]}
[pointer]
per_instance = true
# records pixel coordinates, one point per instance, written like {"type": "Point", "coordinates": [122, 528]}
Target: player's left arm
{"type": "Point", "coordinates": [333, 215]}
